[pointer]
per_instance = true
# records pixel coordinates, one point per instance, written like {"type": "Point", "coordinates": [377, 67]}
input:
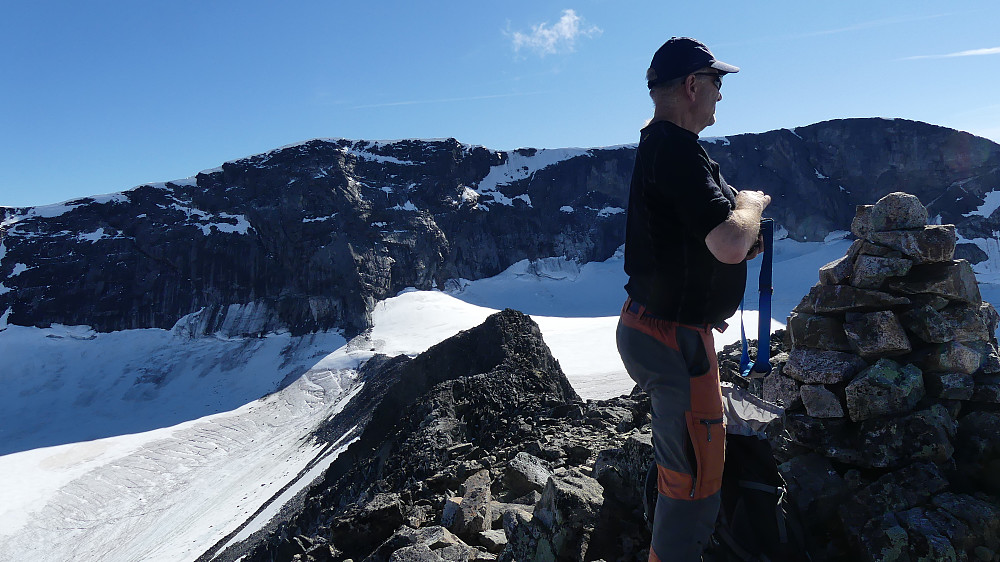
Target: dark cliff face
{"type": "Point", "coordinates": [309, 236]}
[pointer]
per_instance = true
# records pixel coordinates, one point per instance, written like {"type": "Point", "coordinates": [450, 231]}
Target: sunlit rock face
{"type": "Point", "coordinates": [310, 236]}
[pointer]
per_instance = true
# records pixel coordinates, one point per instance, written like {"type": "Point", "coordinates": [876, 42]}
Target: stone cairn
{"type": "Point", "coordinates": [891, 438]}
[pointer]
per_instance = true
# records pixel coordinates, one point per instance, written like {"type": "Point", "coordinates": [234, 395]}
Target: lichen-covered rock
{"type": "Point", "coordinates": [839, 270]}
{"type": "Point", "coordinates": [895, 441]}
{"type": "Point", "coordinates": [966, 322]}
{"type": "Point", "coordinates": [896, 491]}
{"type": "Point", "coordinates": [987, 389]}
{"type": "Point", "coordinates": [884, 388]}
{"type": "Point", "coordinates": [820, 402]}
{"type": "Point", "coordinates": [782, 390]}
{"type": "Point", "coordinates": [983, 517]}
{"type": "Point", "coordinates": [926, 541]}
{"type": "Point", "coordinates": [897, 211]}
{"type": "Point", "coordinates": [430, 544]}
{"type": "Point", "coordinates": [861, 225]}
{"type": "Point", "coordinates": [876, 334]}
{"type": "Point", "coordinates": [812, 366]}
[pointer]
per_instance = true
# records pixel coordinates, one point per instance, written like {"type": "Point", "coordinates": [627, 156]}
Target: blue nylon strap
{"type": "Point", "coordinates": [763, 362]}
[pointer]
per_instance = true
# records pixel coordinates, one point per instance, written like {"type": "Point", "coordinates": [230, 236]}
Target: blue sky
{"type": "Point", "coordinates": [98, 97]}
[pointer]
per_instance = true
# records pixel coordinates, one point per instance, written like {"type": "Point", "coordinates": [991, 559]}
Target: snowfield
{"type": "Point", "coordinates": [147, 445]}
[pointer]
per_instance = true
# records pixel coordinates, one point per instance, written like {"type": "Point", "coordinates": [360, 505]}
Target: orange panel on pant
{"type": "Point", "coordinates": [673, 484]}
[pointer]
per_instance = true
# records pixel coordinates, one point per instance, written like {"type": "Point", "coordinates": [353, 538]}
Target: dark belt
{"type": "Point", "coordinates": [641, 311]}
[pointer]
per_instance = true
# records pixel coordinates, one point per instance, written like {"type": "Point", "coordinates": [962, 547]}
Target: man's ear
{"type": "Point", "coordinates": [690, 87]}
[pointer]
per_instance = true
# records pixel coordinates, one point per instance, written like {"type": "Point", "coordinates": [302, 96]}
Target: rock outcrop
{"type": "Point", "coordinates": [308, 237]}
{"type": "Point", "coordinates": [890, 439]}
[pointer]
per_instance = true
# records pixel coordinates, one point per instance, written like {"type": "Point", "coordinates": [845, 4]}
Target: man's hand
{"type": "Point", "coordinates": [731, 241]}
{"type": "Point", "coordinates": [752, 200]}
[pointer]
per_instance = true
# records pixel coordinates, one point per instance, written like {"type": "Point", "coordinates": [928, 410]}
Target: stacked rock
{"type": "Point", "coordinates": [892, 382]}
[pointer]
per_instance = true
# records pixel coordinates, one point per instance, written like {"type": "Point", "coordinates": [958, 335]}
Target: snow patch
{"type": "Point", "coordinates": [525, 198]}
{"type": "Point", "coordinates": [4, 290]}
{"type": "Point", "coordinates": [319, 219]}
{"type": "Point", "coordinates": [19, 268]}
{"type": "Point", "coordinates": [408, 206]}
{"type": "Point", "coordinates": [93, 237]}
{"type": "Point", "coordinates": [519, 166]}
{"type": "Point", "coordinates": [819, 175]}
{"type": "Point", "coordinates": [724, 141]}
{"type": "Point", "coordinates": [566, 209]}
{"type": "Point", "coordinates": [4, 317]}
{"type": "Point", "coordinates": [836, 235]}
{"type": "Point", "coordinates": [608, 211]}
{"type": "Point", "coordinates": [991, 202]}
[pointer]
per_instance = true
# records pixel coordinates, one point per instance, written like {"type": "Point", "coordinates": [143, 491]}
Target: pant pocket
{"type": "Point", "coordinates": [708, 435]}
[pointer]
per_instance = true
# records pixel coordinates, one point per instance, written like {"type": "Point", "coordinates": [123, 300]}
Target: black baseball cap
{"type": "Point", "coordinates": [681, 56]}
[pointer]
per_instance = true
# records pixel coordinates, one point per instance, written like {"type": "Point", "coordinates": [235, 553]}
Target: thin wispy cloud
{"type": "Point", "coordinates": [445, 100]}
{"type": "Point", "coordinates": [558, 38]}
{"type": "Point", "coordinates": [969, 53]}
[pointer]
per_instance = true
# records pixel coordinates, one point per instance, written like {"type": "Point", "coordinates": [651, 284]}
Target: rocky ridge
{"type": "Point", "coordinates": [308, 237]}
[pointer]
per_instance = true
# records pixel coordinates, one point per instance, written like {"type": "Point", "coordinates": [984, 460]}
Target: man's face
{"type": "Point", "coordinates": [708, 88]}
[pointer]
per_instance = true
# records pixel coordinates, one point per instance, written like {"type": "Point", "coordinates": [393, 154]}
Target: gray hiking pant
{"type": "Point", "coordinates": [676, 365]}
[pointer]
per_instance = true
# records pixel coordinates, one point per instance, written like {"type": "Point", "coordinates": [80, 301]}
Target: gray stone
{"type": "Point", "coordinates": [950, 357]}
{"type": "Point", "coordinates": [782, 390]}
{"type": "Point", "coordinates": [884, 388]}
{"type": "Point", "coordinates": [472, 513]}
{"type": "Point", "coordinates": [952, 280]}
{"type": "Point", "coordinates": [820, 402]}
{"type": "Point", "coordinates": [894, 442]}
{"type": "Point", "coordinates": [812, 366]}
{"type": "Point", "coordinates": [838, 271]}
{"type": "Point", "coordinates": [427, 544]}
{"type": "Point", "coordinates": [949, 386]}
{"type": "Point", "coordinates": [934, 243]}
{"type": "Point", "coordinates": [493, 540]}
{"type": "Point", "coordinates": [525, 473]}
{"type": "Point", "coordinates": [876, 334]}
{"type": "Point", "coordinates": [966, 323]}
{"type": "Point", "coordinates": [981, 516]}
{"type": "Point", "coordinates": [895, 491]}
{"type": "Point", "coordinates": [987, 389]}
{"type": "Point", "coordinates": [861, 225]}
{"type": "Point", "coordinates": [871, 272]}
{"type": "Point", "coordinates": [991, 318]}
{"type": "Point", "coordinates": [845, 298]}
{"type": "Point", "coordinates": [820, 332]}
{"type": "Point", "coordinates": [883, 539]}
{"type": "Point", "coordinates": [926, 541]}
{"type": "Point", "coordinates": [897, 211]}
{"type": "Point", "coordinates": [927, 324]}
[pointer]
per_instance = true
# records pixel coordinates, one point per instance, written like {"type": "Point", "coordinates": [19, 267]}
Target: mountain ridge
{"type": "Point", "coordinates": [309, 236]}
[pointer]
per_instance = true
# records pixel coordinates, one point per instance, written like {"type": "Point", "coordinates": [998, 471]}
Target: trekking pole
{"type": "Point", "coordinates": [762, 366]}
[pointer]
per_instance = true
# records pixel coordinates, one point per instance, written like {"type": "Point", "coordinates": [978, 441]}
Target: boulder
{"type": "Point", "coordinates": [981, 516]}
{"type": "Point", "coordinates": [820, 332]}
{"type": "Point", "coordinates": [876, 334]}
{"type": "Point", "coordinates": [895, 491]}
{"type": "Point", "coordinates": [472, 513]}
{"type": "Point", "coordinates": [781, 390]}
{"type": "Point", "coordinates": [966, 322]}
{"type": "Point", "coordinates": [987, 389]}
{"type": "Point", "coordinates": [811, 366]}
{"type": "Point", "coordinates": [820, 402]}
{"type": "Point", "coordinates": [927, 324]}
{"type": "Point", "coordinates": [814, 486]}
{"type": "Point", "coordinates": [952, 280]}
{"type": "Point", "coordinates": [896, 441]}
{"type": "Point", "coordinates": [871, 272]}
{"type": "Point", "coordinates": [430, 544]}
{"type": "Point", "coordinates": [926, 541]}
{"type": "Point", "coordinates": [897, 211]}
{"type": "Point", "coordinates": [884, 388]}
{"type": "Point", "coordinates": [525, 473]}
{"type": "Point", "coordinates": [839, 270]}
{"type": "Point", "coordinates": [950, 357]}
{"type": "Point", "coordinates": [934, 243]}
{"type": "Point", "coordinates": [861, 225]}
{"type": "Point", "coordinates": [949, 386]}
{"type": "Point", "coordinates": [844, 298]}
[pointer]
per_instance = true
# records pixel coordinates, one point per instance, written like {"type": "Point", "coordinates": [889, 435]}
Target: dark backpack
{"type": "Point", "coordinates": [756, 519]}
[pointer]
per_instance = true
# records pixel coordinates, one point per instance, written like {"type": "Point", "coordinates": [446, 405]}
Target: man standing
{"type": "Point", "coordinates": [688, 237]}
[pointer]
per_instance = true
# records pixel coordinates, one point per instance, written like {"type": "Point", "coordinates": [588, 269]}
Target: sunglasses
{"type": "Point", "coordinates": [716, 78]}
